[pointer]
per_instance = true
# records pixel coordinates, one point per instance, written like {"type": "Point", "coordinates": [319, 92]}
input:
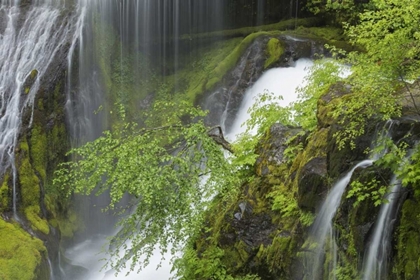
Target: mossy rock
{"type": "Point", "coordinates": [20, 253]}
{"type": "Point", "coordinates": [407, 263]}
{"type": "Point", "coordinates": [271, 148]}
{"type": "Point", "coordinates": [274, 51]}
{"type": "Point", "coordinates": [30, 80]}
{"type": "Point", "coordinates": [33, 213]}
{"type": "Point", "coordinates": [5, 194]}
{"type": "Point", "coordinates": [313, 184]}
{"type": "Point", "coordinates": [328, 101]}
{"type": "Point", "coordinates": [29, 181]}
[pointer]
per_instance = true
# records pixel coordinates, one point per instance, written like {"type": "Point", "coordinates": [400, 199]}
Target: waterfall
{"type": "Point", "coordinates": [375, 262]}
{"type": "Point", "coordinates": [28, 47]}
{"type": "Point", "coordinates": [108, 35]}
{"type": "Point", "coordinates": [280, 81]}
{"type": "Point", "coordinates": [322, 237]}
{"type": "Point", "coordinates": [322, 232]}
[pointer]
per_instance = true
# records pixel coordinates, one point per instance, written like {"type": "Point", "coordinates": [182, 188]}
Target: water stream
{"type": "Point", "coordinates": [322, 235]}
{"type": "Point", "coordinates": [281, 81]}
{"type": "Point", "coordinates": [27, 49]}
{"type": "Point", "coordinates": [375, 261]}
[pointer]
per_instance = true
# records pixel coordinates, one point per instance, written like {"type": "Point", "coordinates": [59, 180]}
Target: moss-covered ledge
{"type": "Point", "coordinates": [21, 254]}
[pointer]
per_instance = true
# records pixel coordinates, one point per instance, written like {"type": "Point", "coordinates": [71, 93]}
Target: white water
{"type": "Point", "coordinates": [322, 229]}
{"type": "Point", "coordinates": [374, 267]}
{"type": "Point", "coordinates": [24, 46]}
{"type": "Point", "coordinates": [376, 258]}
{"type": "Point", "coordinates": [280, 81]}
{"type": "Point", "coordinates": [90, 255]}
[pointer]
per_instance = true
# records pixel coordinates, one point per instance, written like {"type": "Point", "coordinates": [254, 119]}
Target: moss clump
{"type": "Point", "coordinates": [278, 256]}
{"type": "Point", "coordinates": [29, 182]}
{"type": "Point", "coordinates": [231, 60]}
{"type": "Point", "coordinates": [68, 224]}
{"type": "Point", "coordinates": [32, 214]}
{"type": "Point", "coordinates": [245, 31]}
{"type": "Point", "coordinates": [407, 265]}
{"type": "Point", "coordinates": [275, 50]}
{"type": "Point", "coordinates": [30, 188]}
{"type": "Point", "coordinates": [34, 74]}
{"type": "Point", "coordinates": [38, 144]}
{"type": "Point", "coordinates": [191, 80]}
{"type": "Point", "coordinates": [4, 195]}
{"type": "Point", "coordinates": [20, 253]}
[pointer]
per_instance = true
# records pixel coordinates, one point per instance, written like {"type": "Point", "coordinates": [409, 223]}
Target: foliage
{"type": "Point", "coordinates": [322, 75]}
{"type": "Point", "coordinates": [336, 12]}
{"type": "Point", "coordinates": [172, 171]}
{"type": "Point", "coordinates": [404, 163]}
{"type": "Point", "coordinates": [372, 190]}
{"type": "Point", "coordinates": [208, 266]}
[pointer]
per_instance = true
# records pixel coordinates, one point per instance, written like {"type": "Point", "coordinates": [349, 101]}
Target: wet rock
{"type": "Point", "coordinates": [224, 102]}
{"type": "Point", "coordinates": [30, 80]}
{"type": "Point", "coordinates": [312, 186]}
{"type": "Point", "coordinates": [407, 124]}
{"type": "Point", "coordinates": [335, 92]}
{"type": "Point", "coordinates": [271, 148]}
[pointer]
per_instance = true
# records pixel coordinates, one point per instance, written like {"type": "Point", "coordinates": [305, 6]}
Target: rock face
{"type": "Point", "coordinates": [311, 184]}
{"type": "Point", "coordinates": [41, 144]}
{"type": "Point", "coordinates": [264, 230]}
{"type": "Point", "coordinates": [224, 102]}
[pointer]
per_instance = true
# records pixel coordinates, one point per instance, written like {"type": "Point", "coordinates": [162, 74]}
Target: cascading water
{"type": "Point", "coordinates": [28, 47]}
{"type": "Point", "coordinates": [322, 233]}
{"type": "Point", "coordinates": [146, 30]}
{"type": "Point", "coordinates": [32, 38]}
{"type": "Point", "coordinates": [322, 238]}
{"type": "Point", "coordinates": [281, 81]}
{"type": "Point", "coordinates": [375, 262]}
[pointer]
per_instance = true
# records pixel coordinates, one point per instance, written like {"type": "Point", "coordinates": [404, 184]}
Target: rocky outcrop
{"type": "Point", "coordinates": [268, 224]}
{"type": "Point", "coordinates": [225, 100]}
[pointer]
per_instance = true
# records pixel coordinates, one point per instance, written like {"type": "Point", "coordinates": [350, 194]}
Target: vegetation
{"type": "Point", "coordinates": [16, 242]}
{"type": "Point", "coordinates": [172, 167]}
{"type": "Point", "coordinates": [185, 191]}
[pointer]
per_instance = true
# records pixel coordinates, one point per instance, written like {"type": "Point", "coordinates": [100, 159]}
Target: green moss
{"type": "Point", "coordinates": [30, 188]}
{"type": "Point", "coordinates": [34, 74]}
{"type": "Point", "coordinates": [191, 80]}
{"type": "Point", "coordinates": [278, 256]}
{"type": "Point", "coordinates": [20, 253]}
{"type": "Point", "coordinates": [38, 144]}
{"type": "Point", "coordinates": [5, 195]}
{"type": "Point", "coordinates": [68, 224]}
{"type": "Point", "coordinates": [331, 35]}
{"type": "Point", "coordinates": [328, 33]}
{"type": "Point", "coordinates": [231, 60]}
{"type": "Point", "coordinates": [32, 213]}
{"type": "Point", "coordinates": [29, 182]}
{"type": "Point", "coordinates": [275, 50]}
{"type": "Point", "coordinates": [236, 256]}
{"type": "Point", "coordinates": [407, 265]}
{"type": "Point", "coordinates": [245, 31]}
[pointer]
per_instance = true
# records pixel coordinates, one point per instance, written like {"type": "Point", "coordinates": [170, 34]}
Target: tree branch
{"type": "Point", "coordinates": [216, 133]}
